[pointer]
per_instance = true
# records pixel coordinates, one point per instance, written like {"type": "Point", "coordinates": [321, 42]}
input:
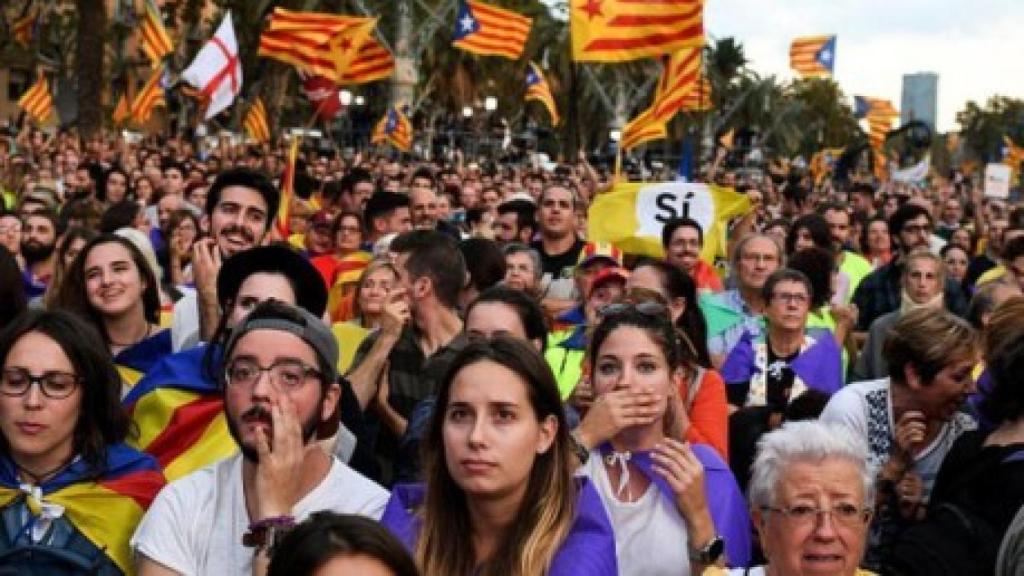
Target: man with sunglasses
{"type": "Point", "coordinates": [280, 385]}
{"type": "Point", "coordinates": [880, 292]}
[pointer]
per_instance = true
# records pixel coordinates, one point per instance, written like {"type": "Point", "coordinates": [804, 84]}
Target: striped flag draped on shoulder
{"type": "Point", "coordinates": [156, 42]}
{"type": "Point", "coordinates": [813, 56]}
{"type": "Point", "coordinates": [537, 88]}
{"type": "Point", "coordinates": [37, 100]}
{"type": "Point", "coordinates": [621, 30]}
{"type": "Point", "coordinates": [487, 30]}
{"type": "Point", "coordinates": [256, 124]}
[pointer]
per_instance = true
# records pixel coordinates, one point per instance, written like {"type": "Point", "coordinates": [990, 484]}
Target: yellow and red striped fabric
{"type": "Point", "coordinates": [372, 62]}
{"type": "Point", "coordinates": [284, 210]}
{"type": "Point", "coordinates": [22, 28]}
{"type": "Point", "coordinates": [106, 511]}
{"type": "Point", "coordinates": [698, 99]}
{"type": "Point", "coordinates": [813, 56]}
{"type": "Point", "coordinates": [537, 88]}
{"type": "Point", "coordinates": [156, 42]}
{"type": "Point", "coordinates": [256, 124]}
{"type": "Point", "coordinates": [395, 128]}
{"type": "Point", "coordinates": [487, 30]}
{"type": "Point", "coordinates": [621, 30]}
{"type": "Point", "coordinates": [123, 110]}
{"type": "Point", "coordinates": [37, 100]}
{"type": "Point", "coordinates": [318, 43]}
{"type": "Point", "coordinates": [644, 128]}
{"type": "Point", "coordinates": [151, 96]}
{"type": "Point", "coordinates": [679, 78]}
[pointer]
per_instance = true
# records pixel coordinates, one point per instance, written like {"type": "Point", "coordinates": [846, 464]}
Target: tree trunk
{"type": "Point", "coordinates": [92, 23]}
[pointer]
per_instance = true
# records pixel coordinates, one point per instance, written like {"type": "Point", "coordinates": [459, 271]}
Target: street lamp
{"type": "Point", "coordinates": [345, 97]}
{"type": "Point", "coordinates": [360, 100]}
{"type": "Point", "coordinates": [490, 103]}
{"type": "Point", "coordinates": [467, 111]}
{"type": "Point", "coordinates": [615, 134]}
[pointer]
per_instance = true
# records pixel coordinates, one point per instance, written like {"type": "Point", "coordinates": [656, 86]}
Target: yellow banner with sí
{"type": "Point", "coordinates": [632, 215]}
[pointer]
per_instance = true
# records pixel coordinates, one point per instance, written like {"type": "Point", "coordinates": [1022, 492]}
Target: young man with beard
{"type": "Point", "coordinates": [38, 243]}
{"type": "Point", "coordinates": [280, 384]}
{"type": "Point", "coordinates": [240, 208]}
{"type": "Point", "coordinates": [683, 241]}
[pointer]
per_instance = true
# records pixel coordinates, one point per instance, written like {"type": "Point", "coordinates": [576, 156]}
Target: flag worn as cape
{"type": "Point", "coordinates": [133, 362]}
{"type": "Point", "coordinates": [217, 69]}
{"type": "Point", "coordinates": [819, 366]}
{"type": "Point", "coordinates": [632, 215]}
{"type": "Point", "coordinates": [179, 412]}
{"type": "Point", "coordinates": [105, 510]}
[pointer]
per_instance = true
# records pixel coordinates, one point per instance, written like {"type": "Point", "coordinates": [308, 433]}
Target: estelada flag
{"type": "Point", "coordinates": [537, 88]}
{"type": "Point", "coordinates": [395, 128]}
{"type": "Point", "coordinates": [217, 70]}
{"type": "Point", "coordinates": [123, 110]}
{"type": "Point", "coordinates": [372, 62]}
{"type": "Point", "coordinates": [490, 31]}
{"type": "Point", "coordinates": [679, 77]}
{"type": "Point", "coordinates": [620, 30]}
{"type": "Point", "coordinates": [813, 56]}
{"type": "Point", "coordinates": [318, 43]}
{"type": "Point", "coordinates": [642, 129]}
{"type": "Point", "coordinates": [106, 509]}
{"type": "Point", "coordinates": [698, 99]}
{"type": "Point", "coordinates": [156, 42]}
{"type": "Point", "coordinates": [256, 124]}
{"type": "Point", "coordinates": [632, 215]}
{"type": "Point", "coordinates": [37, 100]}
{"type": "Point", "coordinates": [864, 107]}
{"type": "Point", "coordinates": [151, 96]}
{"type": "Point", "coordinates": [139, 358]}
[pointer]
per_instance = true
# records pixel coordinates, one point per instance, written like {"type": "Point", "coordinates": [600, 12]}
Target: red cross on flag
{"type": "Point", "coordinates": [217, 71]}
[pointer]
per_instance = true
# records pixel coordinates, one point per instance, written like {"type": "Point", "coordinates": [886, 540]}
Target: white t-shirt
{"type": "Point", "coordinates": [650, 533]}
{"type": "Point", "coordinates": [866, 408]}
{"type": "Point", "coordinates": [195, 525]}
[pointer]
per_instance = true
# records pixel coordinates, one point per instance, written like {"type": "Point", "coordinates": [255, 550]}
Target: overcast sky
{"type": "Point", "coordinates": [975, 46]}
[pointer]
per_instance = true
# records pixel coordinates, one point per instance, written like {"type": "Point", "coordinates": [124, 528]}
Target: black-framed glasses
{"type": "Point", "coordinates": [845, 514]}
{"type": "Point", "coordinates": [289, 374]}
{"type": "Point", "coordinates": [791, 298]}
{"type": "Point", "coordinates": [53, 384]}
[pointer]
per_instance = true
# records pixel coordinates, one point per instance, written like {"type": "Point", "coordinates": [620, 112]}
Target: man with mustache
{"type": "Point", "coordinates": [240, 208]}
{"type": "Point", "coordinates": [279, 385]}
{"type": "Point", "coordinates": [38, 241]}
{"type": "Point", "coordinates": [683, 240]}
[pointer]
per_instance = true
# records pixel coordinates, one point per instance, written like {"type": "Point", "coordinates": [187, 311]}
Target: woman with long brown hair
{"type": "Point", "coordinates": [500, 495]}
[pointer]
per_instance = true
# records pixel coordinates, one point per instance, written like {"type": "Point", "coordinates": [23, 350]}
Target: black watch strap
{"type": "Point", "coordinates": [711, 552]}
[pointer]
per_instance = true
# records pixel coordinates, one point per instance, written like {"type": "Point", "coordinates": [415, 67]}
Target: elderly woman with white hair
{"type": "Point", "coordinates": [811, 496]}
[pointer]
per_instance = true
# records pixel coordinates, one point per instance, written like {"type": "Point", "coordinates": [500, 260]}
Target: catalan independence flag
{"type": "Point", "coordinates": [395, 128]}
{"type": "Point", "coordinates": [879, 114]}
{"type": "Point", "coordinates": [105, 510]}
{"type": "Point", "coordinates": [698, 99]}
{"type": "Point", "coordinates": [490, 31]}
{"type": "Point", "coordinates": [680, 77]}
{"type": "Point", "coordinates": [151, 96]}
{"type": "Point", "coordinates": [813, 56]}
{"type": "Point", "coordinates": [372, 62]}
{"type": "Point", "coordinates": [179, 413]}
{"type": "Point", "coordinates": [256, 124]}
{"type": "Point", "coordinates": [865, 107]}
{"type": "Point", "coordinates": [318, 43]}
{"type": "Point", "coordinates": [37, 100]}
{"type": "Point", "coordinates": [156, 42]}
{"type": "Point", "coordinates": [621, 30]}
{"type": "Point", "coordinates": [282, 222]}
{"type": "Point", "coordinates": [537, 88]}
{"type": "Point", "coordinates": [133, 362]}
{"type": "Point", "coordinates": [23, 28]}
{"type": "Point", "coordinates": [123, 110]}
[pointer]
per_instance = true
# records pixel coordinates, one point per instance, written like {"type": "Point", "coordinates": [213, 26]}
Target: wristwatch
{"type": "Point", "coordinates": [711, 551]}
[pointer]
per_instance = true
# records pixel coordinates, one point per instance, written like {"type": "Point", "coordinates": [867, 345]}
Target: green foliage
{"type": "Point", "coordinates": [982, 129]}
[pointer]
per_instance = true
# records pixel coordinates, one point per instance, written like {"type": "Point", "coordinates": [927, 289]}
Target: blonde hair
{"type": "Point", "coordinates": [924, 254]}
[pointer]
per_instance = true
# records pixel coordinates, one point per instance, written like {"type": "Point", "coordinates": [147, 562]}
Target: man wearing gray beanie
{"type": "Point", "coordinates": [280, 384]}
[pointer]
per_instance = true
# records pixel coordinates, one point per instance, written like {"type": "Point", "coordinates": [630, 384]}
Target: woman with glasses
{"type": "Point", "coordinates": [500, 497]}
{"type": "Point", "coordinates": [112, 286]}
{"type": "Point", "coordinates": [71, 493]}
{"type": "Point", "coordinates": [788, 373]}
{"type": "Point", "coordinates": [810, 495]}
{"type": "Point", "coordinates": [669, 500]}
{"type": "Point", "coordinates": [912, 418]}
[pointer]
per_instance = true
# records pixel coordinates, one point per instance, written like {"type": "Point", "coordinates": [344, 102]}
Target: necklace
{"type": "Point", "coordinates": [39, 478]}
{"type": "Point", "coordinates": [122, 345]}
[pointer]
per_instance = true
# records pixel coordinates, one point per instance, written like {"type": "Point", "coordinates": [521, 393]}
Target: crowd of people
{"type": "Point", "coordinates": [425, 367]}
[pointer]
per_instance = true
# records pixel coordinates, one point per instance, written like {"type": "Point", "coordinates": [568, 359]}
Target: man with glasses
{"type": "Point", "coordinates": [683, 241]}
{"type": "Point", "coordinates": [734, 312]}
{"type": "Point", "coordinates": [880, 292]}
{"type": "Point", "coordinates": [280, 385]}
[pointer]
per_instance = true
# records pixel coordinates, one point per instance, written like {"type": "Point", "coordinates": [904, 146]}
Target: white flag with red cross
{"type": "Point", "coordinates": [217, 71]}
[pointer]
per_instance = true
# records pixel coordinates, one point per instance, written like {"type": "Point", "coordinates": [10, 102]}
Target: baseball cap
{"type": "Point", "coordinates": [321, 219]}
{"type": "Point", "coordinates": [310, 290]}
{"type": "Point", "coordinates": [607, 275]}
{"type": "Point", "coordinates": [276, 315]}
